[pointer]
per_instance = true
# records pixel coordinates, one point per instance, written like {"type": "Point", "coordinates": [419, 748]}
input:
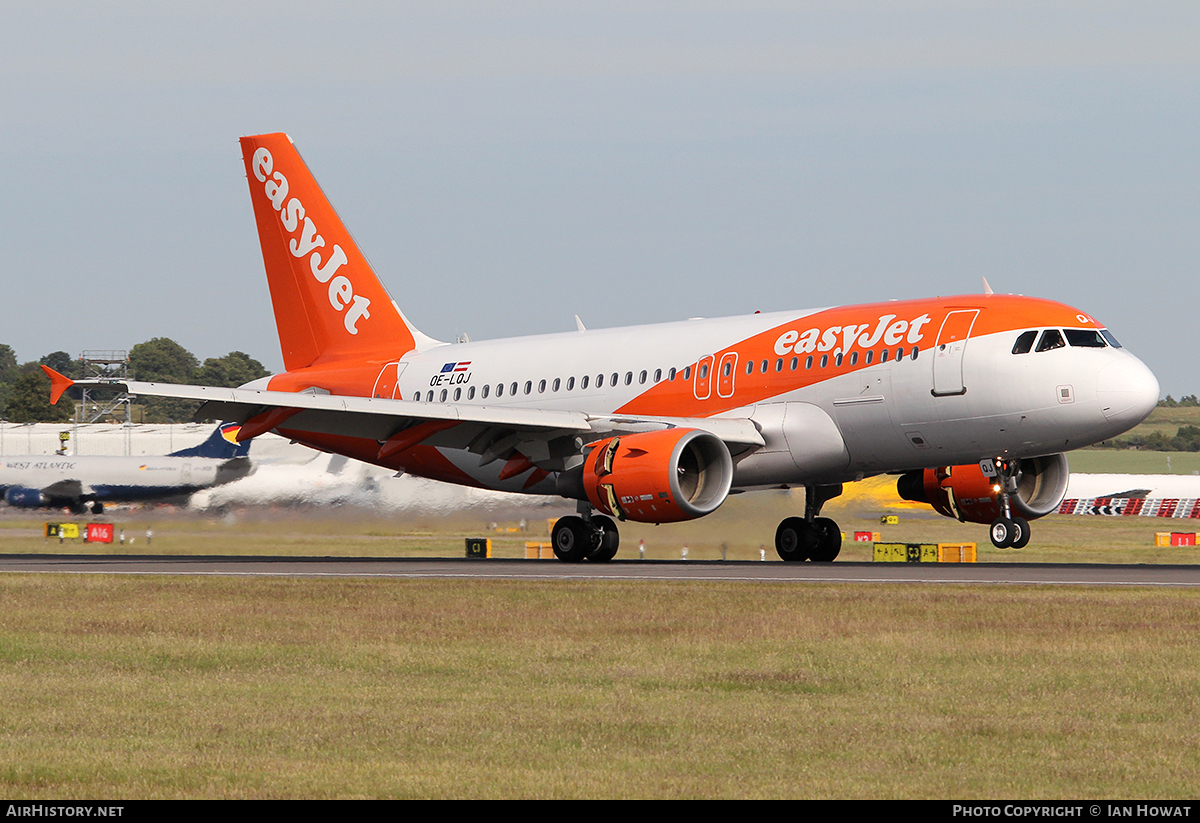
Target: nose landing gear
{"type": "Point", "coordinates": [1008, 531]}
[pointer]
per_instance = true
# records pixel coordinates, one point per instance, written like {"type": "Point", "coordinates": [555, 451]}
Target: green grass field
{"type": "Point", "coordinates": [120, 687]}
{"type": "Point", "coordinates": [1113, 461]}
{"type": "Point", "coordinates": [124, 687]}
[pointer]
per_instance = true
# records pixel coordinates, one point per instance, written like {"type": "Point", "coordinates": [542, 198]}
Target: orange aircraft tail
{"type": "Point", "coordinates": [329, 305]}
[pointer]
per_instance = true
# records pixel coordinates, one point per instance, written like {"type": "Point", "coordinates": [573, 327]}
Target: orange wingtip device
{"type": "Point", "coordinates": [59, 383]}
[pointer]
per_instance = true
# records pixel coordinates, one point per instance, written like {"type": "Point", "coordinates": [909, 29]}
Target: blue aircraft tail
{"type": "Point", "coordinates": [221, 444]}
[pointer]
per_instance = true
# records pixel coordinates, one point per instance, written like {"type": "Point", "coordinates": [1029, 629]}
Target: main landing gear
{"type": "Point", "coordinates": [1008, 531]}
{"type": "Point", "coordinates": [810, 537]}
{"type": "Point", "coordinates": [591, 537]}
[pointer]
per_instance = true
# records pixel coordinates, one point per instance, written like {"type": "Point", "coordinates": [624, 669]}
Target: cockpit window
{"type": "Point", "coordinates": [1051, 339]}
{"type": "Point", "coordinates": [1086, 338]}
{"type": "Point", "coordinates": [1112, 341]}
{"type": "Point", "coordinates": [1024, 343]}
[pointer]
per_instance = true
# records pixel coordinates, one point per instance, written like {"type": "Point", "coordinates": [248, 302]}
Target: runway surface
{"type": "Point", "coordinates": [772, 572]}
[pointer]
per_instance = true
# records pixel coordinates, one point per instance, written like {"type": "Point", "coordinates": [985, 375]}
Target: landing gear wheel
{"type": "Point", "coordinates": [828, 540]}
{"type": "Point", "coordinates": [1003, 532]}
{"type": "Point", "coordinates": [97, 508]}
{"type": "Point", "coordinates": [1021, 540]}
{"type": "Point", "coordinates": [794, 539]}
{"type": "Point", "coordinates": [610, 539]}
{"type": "Point", "coordinates": [572, 538]}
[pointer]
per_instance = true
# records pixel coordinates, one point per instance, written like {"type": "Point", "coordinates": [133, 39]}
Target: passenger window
{"type": "Point", "coordinates": [1051, 339]}
{"type": "Point", "coordinates": [868, 357]}
{"type": "Point", "coordinates": [528, 386]}
{"type": "Point", "coordinates": [1024, 342]}
{"type": "Point", "coordinates": [418, 397]}
{"type": "Point", "coordinates": [628, 377]}
{"type": "Point", "coordinates": [471, 393]}
{"type": "Point", "coordinates": [749, 367]}
{"type": "Point", "coordinates": [512, 389]}
{"type": "Point", "coordinates": [671, 375]}
{"type": "Point", "coordinates": [615, 378]}
{"type": "Point", "coordinates": [442, 398]}
{"type": "Point", "coordinates": [914, 354]}
{"type": "Point", "coordinates": [599, 381]}
{"type": "Point", "coordinates": [726, 369]}
{"type": "Point", "coordinates": [485, 391]}
{"type": "Point", "coordinates": [899, 355]}
{"type": "Point", "coordinates": [853, 358]}
{"type": "Point", "coordinates": [687, 372]}
{"type": "Point", "coordinates": [499, 389]}
{"type": "Point", "coordinates": [541, 387]}
{"type": "Point", "coordinates": [642, 377]}
{"type": "Point", "coordinates": [457, 394]}
{"type": "Point", "coordinates": [795, 363]}
{"type": "Point", "coordinates": [583, 383]}
{"type": "Point", "coordinates": [883, 356]}
{"type": "Point", "coordinates": [429, 398]}
{"type": "Point", "coordinates": [570, 383]}
{"type": "Point", "coordinates": [779, 364]}
{"type": "Point", "coordinates": [837, 359]}
{"type": "Point", "coordinates": [658, 375]}
{"type": "Point", "coordinates": [824, 360]}
{"type": "Point", "coordinates": [808, 362]}
{"type": "Point", "coordinates": [1084, 338]}
{"type": "Point", "coordinates": [764, 367]}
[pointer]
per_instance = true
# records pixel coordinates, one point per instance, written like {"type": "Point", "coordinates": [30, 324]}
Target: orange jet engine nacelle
{"type": "Point", "coordinates": [658, 477]}
{"type": "Point", "coordinates": [967, 494]}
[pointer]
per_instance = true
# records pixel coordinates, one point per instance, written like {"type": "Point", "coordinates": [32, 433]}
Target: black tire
{"type": "Point", "coordinates": [97, 508]}
{"type": "Point", "coordinates": [1021, 540]}
{"type": "Point", "coordinates": [610, 539]}
{"type": "Point", "coordinates": [793, 539]}
{"type": "Point", "coordinates": [572, 539]}
{"type": "Point", "coordinates": [828, 540]}
{"type": "Point", "coordinates": [1003, 532]}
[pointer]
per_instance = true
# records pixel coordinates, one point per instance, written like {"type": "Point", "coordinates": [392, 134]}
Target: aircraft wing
{"type": "Point", "coordinates": [491, 431]}
{"type": "Point", "coordinates": [64, 490]}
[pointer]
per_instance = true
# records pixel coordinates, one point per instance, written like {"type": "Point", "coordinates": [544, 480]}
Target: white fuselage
{"type": "Point", "coordinates": [950, 404]}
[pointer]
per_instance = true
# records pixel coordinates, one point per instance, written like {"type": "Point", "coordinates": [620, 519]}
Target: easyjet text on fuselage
{"type": "Point", "coordinates": [886, 329]}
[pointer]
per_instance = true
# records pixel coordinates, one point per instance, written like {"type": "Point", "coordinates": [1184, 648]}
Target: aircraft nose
{"type": "Point", "coordinates": [1127, 391]}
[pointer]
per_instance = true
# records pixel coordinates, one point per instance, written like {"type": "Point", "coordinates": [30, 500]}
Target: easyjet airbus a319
{"type": "Point", "coordinates": [971, 401]}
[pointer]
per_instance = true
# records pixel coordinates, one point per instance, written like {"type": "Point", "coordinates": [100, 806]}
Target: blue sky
{"type": "Point", "coordinates": [506, 166]}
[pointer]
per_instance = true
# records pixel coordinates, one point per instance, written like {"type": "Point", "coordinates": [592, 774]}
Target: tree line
{"type": "Point", "coordinates": [25, 389]}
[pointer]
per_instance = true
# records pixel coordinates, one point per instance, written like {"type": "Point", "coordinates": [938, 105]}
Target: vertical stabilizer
{"type": "Point", "coordinates": [221, 444]}
{"type": "Point", "coordinates": [329, 305]}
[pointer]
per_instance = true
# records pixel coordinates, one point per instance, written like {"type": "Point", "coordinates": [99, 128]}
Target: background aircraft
{"type": "Point", "coordinates": [1145, 495]}
{"type": "Point", "coordinates": [972, 400]}
{"type": "Point", "coordinates": [63, 481]}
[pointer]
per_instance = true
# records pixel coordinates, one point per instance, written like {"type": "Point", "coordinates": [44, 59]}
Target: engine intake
{"type": "Point", "coordinates": [967, 494]}
{"type": "Point", "coordinates": [658, 477]}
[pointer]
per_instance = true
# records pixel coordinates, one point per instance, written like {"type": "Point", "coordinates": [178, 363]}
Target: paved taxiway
{"type": "Point", "coordinates": [965, 573]}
